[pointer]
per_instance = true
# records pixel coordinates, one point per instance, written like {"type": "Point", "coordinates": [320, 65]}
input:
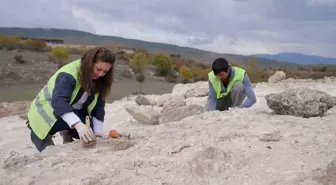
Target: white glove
{"type": "Point", "coordinates": [98, 127]}
{"type": "Point", "coordinates": [84, 133]}
{"type": "Point", "coordinates": [102, 135]}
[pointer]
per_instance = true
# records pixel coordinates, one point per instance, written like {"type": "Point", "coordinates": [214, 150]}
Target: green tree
{"type": "Point", "coordinates": [138, 62]}
{"type": "Point", "coordinates": [140, 78]}
{"type": "Point", "coordinates": [186, 74]}
{"type": "Point", "coordinates": [163, 64]}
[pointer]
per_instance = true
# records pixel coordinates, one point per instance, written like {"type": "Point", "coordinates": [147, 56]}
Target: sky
{"type": "Point", "coordinates": [223, 26]}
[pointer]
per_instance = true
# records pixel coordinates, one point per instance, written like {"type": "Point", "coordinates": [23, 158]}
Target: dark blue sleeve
{"type": "Point", "coordinates": [99, 110]}
{"type": "Point", "coordinates": [61, 96]}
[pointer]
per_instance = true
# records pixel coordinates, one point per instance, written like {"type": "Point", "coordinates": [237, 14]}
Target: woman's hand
{"type": "Point", "coordinates": [101, 135]}
{"type": "Point", "coordinates": [84, 133]}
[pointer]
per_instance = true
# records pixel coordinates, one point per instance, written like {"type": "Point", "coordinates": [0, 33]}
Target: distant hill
{"type": "Point", "coordinates": [299, 58]}
{"type": "Point", "coordinates": [81, 37]}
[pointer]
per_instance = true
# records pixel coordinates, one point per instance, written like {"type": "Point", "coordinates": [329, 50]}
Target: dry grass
{"type": "Point", "coordinates": [27, 90]}
{"type": "Point", "coordinates": [120, 89]}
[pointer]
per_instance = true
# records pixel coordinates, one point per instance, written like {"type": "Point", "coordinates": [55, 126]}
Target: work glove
{"type": "Point", "coordinates": [85, 134]}
{"type": "Point", "coordinates": [101, 135]}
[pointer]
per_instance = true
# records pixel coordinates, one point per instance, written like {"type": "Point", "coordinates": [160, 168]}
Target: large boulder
{"type": "Point", "coordinates": [197, 89]}
{"type": "Point", "coordinates": [200, 91]}
{"type": "Point", "coordinates": [277, 77]}
{"type": "Point", "coordinates": [172, 103]}
{"type": "Point", "coordinates": [302, 102]}
{"type": "Point", "coordinates": [144, 114]}
{"type": "Point", "coordinates": [162, 99]}
{"type": "Point", "coordinates": [142, 100]}
{"type": "Point", "coordinates": [176, 109]}
{"type": "Point", "coordinates": [179, 113]}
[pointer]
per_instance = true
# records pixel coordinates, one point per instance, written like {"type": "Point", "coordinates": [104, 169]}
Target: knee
{"type": "Point", "coordinates": [238, 87]}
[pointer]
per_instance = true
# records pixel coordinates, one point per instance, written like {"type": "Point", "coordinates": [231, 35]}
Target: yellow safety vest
{"type": "Point", "coordinates": [40, 115]}
{"type": "Point", "coordinates": [217, 83]}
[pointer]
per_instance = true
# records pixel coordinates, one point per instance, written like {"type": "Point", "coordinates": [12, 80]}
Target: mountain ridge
{"type": "Point", "coordinates": [299, 58]}
{"type": "Point", "coordinates": [71, 36]}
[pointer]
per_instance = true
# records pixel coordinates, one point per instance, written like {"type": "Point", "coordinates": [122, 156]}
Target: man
{"type": "Point", "coordinates": [228, 87]}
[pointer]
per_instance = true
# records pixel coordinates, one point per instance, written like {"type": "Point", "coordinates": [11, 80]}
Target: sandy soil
{"type": "Point", "coordinates": [210, 148]}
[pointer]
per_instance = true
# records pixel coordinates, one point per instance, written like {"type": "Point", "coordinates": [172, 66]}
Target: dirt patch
{"type": "Point", "coordinates": [328, 176]}
{"type": "Point", "coordinates": [38, 68]}
{"type": "Point", "coordinates": [17, 108]}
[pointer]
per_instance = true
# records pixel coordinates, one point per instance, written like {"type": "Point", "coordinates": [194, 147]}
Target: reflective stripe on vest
{"type": "Point", "coordinates": [217, 83]}
{"type": "Point", "coordinates": [41, 117]}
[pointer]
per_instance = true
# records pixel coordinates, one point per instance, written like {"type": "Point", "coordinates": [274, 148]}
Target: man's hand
{"type": "Point", "coordinates": [85, 134]}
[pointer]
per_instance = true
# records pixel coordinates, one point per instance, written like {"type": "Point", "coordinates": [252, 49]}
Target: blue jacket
{"type": "Point", "coordinates": [61, 96]}
{"type": "Point", "coordinates": [249, 92]}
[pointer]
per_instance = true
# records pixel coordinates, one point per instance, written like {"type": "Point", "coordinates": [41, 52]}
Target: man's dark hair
{"type": "Point", "coordinates": [220, 65]}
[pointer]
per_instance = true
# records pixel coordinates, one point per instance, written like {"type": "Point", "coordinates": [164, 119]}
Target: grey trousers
{"type": "Point", "coordinates": [237, 94]}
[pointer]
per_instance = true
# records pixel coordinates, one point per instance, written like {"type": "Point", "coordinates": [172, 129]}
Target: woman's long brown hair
{"type": "Point", "coordinates": [103, 84]}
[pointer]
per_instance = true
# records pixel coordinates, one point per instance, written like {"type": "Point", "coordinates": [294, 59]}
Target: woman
{"type": "Point", "coordinates": [75, 91]}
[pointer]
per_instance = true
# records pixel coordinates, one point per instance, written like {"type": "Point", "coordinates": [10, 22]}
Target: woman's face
{"type": "Point", "coordinates": [100, 69]}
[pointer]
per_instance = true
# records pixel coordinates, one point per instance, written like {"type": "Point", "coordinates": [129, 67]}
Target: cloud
{"type": "Point", "coordinates": [225, 26]}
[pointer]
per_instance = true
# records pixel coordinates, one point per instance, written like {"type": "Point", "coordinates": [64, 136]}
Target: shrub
{"type": "Point", "coordinates": [140, 78]}
{"type": "Point", "coordinates": [37, 45]}
{"type": "Point", "coordinates": [197, 72]}
{"type": "Point", "coordinates": [142, 50]}
{"type": "Point", "coordinates": [60, 53]}
{"type": "Point", "coordinates": [163, 64]}
{"type": "Point", "coordinates": [13, 42]}
{"type": "Point", "coordinates": [10, 42]}
{"type": "Point", "coordinates": [186, 74]}
{"type": "Point", "coordinates": [120, 55]}
{"type": "Point", "coordinates": [204, 74]}
{"type": "Point", "coordinates": [201, 65]}
{"type": "Point", "coordinates": [253, 71]}
{"type": "Point", "coordinates": [19, 59]}
{"type": "Point", "coordinates": [138, 62]}
{"type": "Point", "coordinates": [78, 50]}
{"type": "Point", "coordinates": [178, 64]}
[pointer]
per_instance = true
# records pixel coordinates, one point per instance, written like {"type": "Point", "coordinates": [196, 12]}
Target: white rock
{"type": "Point", "coordinates": [161, 100]}
{"type": "Point", "coordinates": [178, 113]}
{"type": "Point", "coordinates": [144, 114]}
{"type": "Point", "coordinates": [277, 77]}
{"type": "Point", "coordinates": [270, 136]}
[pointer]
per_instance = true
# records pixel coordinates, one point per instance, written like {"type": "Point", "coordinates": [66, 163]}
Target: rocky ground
{"type": "Point", "coordinates": [175, 141]}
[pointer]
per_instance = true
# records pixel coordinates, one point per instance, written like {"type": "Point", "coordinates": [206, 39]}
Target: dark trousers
{"type": "Point", "coordinates": [224, 103]}
{"type": "Point", "coordinates": [235, 97]}
{"type": "Point", "coordinates": [60, 125]}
